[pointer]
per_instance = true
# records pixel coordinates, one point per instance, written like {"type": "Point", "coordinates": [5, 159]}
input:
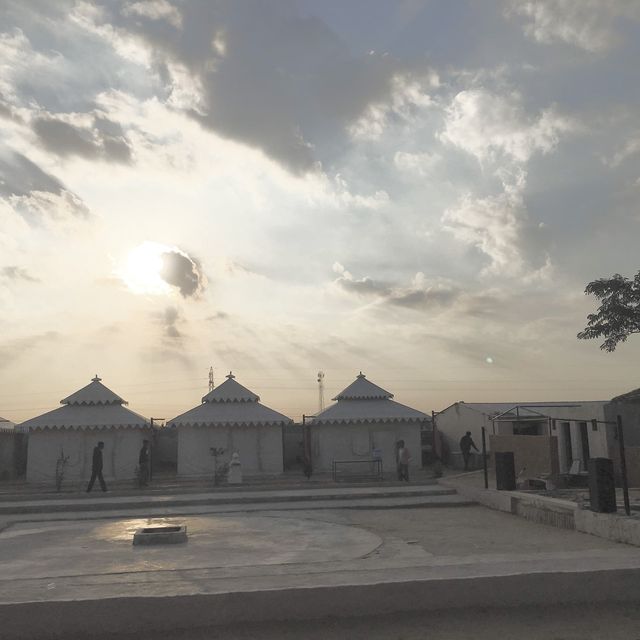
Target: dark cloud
{"type": "Point", "coordinates": [19, 177]}
{"type": "Point", "coordinates": [14, 272]}
{"type": "Point", "coordinates": [33, 193]}
{"type": "Point", "coordinates": [181, 271]}
{"type": "Point", "coordinates": [104, 140]}
{"type": "Point", "coordinates": [420, 294]}
{"type": "Point", "coordinates": [171, 318]}
{"type": "Point", "coordinates": [262, 73]}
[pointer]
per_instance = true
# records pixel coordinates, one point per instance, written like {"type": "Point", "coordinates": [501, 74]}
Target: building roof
{"type": "Point", "coordinates": [630, 396]}
{"type": "Point", "coordinates": [231, 405]}
{"type": "Point", "coordinates": [231, 391]}
{"type": "Point", "coordinates": [524, 409]}
{"type": "Point", "coordinates": [95, 393]}
{"type": "Point", "coordinates": [364, 402]}
{"type": "Point", "coordinates": [92, 407]}
{"type": "Point", "coordinates": [363, 389]}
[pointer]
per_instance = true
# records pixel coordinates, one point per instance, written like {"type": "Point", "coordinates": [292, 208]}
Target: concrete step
{"type": "Point", "coordinates": [307, 497]}
{"type": "Point", "coordinates": [136, 511]}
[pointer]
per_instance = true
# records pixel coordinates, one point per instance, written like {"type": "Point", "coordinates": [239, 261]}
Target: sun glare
{"type": "Point", "coordinates": [143, 267]}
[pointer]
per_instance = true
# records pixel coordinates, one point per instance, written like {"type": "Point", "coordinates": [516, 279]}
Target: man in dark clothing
{"type": "Point", "coordinates": [143, 461]}
{"type": "Point", "coordinates": [96, 467]}
{"type": "Point", "coordinates": [466, 442]}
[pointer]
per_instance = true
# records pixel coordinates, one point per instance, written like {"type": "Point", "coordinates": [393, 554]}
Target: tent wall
{"type": "Point", "coordinates": [357, 441]}
{"type": "Point", "coordinates": [120, 454]}
{"type": "Point", "coordinates": [259, 448]}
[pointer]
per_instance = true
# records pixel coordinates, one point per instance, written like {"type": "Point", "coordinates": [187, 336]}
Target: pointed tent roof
{"type": "Point", "coordinates": [230, 404]}
{"type": "Point", "coordinates": [231, 391]}
{"type": "Point", "coordinates": [92, 407]}
{"type": "Point", "coordinates": [362, 389]}
{"type": "Point", "coordinates": [365, 402]}
{"type": "Point", "coordinates": [95, 393]}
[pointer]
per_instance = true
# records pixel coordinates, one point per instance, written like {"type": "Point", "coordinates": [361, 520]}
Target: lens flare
{"type": "Point", "coordinates": [143, 267]}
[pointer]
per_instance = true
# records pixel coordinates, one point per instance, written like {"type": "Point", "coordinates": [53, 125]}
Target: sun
{"type": "Point", "coordinates": [143, 268]}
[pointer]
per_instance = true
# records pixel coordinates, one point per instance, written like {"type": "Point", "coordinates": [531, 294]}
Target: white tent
{"type": "Point", "coordinates": [365, 419]}
{"type": "Point", "coordinates": [230, 418]}
{"type": "Point", "coordinates": [91, 414]}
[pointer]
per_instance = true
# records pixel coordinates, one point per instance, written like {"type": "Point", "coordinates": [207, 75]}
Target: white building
{"type": "Point", "coordinates": [571, 422]}
{"type": "Point", "coordinates": [92, 414]}
{"type": "Point", "coordinates": [365, 419]}
{"type": "Point", "coordinates": [230, 418]}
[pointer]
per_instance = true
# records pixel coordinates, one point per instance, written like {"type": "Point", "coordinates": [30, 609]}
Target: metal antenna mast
{"type": "Point", "coordinates": [320, 390]}
{"type": "Point", "coordinates": [210, 378]}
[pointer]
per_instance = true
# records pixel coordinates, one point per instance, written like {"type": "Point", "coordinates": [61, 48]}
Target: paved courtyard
{"type": "Point", "coordinates": [295, 560]}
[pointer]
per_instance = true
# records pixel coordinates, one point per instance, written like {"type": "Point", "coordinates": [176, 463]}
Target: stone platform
{"type": "Point", "coordinates": [75, 577]}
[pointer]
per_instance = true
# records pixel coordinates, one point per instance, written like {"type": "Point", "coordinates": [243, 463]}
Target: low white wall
{"type": "Point", "coordinates": [119, 456]}
{"type": "Point", "coordinates": [357, 441]}
{"type": "Point", "coordinates": [259, 448]}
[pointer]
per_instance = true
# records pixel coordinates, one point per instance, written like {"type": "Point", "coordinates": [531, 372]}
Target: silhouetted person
{"type": "Point", "coordinates": [143, 461]}
{"type": "Point", "coordinates": [96, 467]}
{"type": "Point", "coordinates": [466, 442]}
{"type": "Point", "coordinates": [403, 461]}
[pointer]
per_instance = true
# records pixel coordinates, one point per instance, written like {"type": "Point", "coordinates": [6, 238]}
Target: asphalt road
{"type": "Point", "coordinates": [575, 622]}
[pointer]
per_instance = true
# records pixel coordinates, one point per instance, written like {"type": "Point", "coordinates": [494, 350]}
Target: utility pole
{"type": "Point", "coordinates": [320, 391]}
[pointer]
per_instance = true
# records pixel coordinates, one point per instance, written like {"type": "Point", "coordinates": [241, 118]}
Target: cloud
{"type": "Point", "coordinates": [101, 139]}
{"type": "Point", "coordinates": [170, 319]}
{"type": "Point", "coordinates": [587, 24]}
{"type": "Point", "coordinates": [35, 194]}
{"type": "Point", "coordinates": [14, 272]}
{"type": "Point", "coordinates": [421, 293]}
{"type": "Point", "coordinates": [155, 10]}
{"type": "Point", "coordinates": [503, 137]}
{"type": "Point", "coordinates": [265, 75]}
{"type": "Point", "coordinates": [363, 286]}
{"type": "Point", "coordinates": [490, 126]}
{"type": "Point", "coordinates": [12, 350]}
{"type": "Point", "coordinates": [180, 270]}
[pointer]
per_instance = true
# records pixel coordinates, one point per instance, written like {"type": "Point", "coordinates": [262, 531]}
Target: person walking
{"type": "Point", "coordinates": [403, 461]}
{"type": "Point", "coordinates": [143, 462]}
{"type": "Point", "coordinates": [466, 442]}
{"type": "Point", "coordinates": [96, 467]}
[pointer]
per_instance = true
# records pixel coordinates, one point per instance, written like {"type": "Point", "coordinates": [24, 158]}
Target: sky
{"type": "Point", "coordinates": [416, 189]}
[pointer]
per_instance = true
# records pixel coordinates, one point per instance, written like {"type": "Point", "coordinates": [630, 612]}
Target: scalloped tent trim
{"type": "Point", "coordinates": [229, 423]}
{"type": "Point", "coordinates": [365, 420]}
{"type": "Point", "coordinates": [91, 427]}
